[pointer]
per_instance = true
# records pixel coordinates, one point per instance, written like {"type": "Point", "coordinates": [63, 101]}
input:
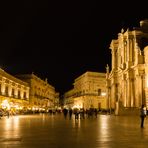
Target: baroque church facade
{"type": "Point", "coordinates": [127, 81]}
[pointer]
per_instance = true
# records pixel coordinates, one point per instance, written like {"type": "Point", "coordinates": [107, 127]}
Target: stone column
{"type": "Point", "coordinates": [140, 90]}
{"type": "Point", "coordinates": [113, 58]}
{"type": "Point", "coordinates": [22, 92]}
{"type": "Point", "coordinates": [16, 91]}
{"type": "Point", "coordinates": [27, 94]}
{"type": "Point", "coordinates": [132, 93]}
{"type": "Point", "coordinates": [112, 96]}
{"type": "Point", "coordinates": [3, 86]}
{"type": "Point", "coordinates": [114, 47]}
{"type": "Point", "coordinates": [117, 99]}
{"type": "Point", "coordinates": [127, 49]}
{"type": "Point", "coordinates": [124, 92]}
{"type": "Point", "coordinates": [10, 89]}
{"type": "Point", "coordinates": [143, 89]}
{"type": "Point", "coordinates": [146, 73]}
{"type": "Point", "coordinates": [136, 49]}
{"type": "Point", "coordinates": [129, 92]}
{"type": "Point", "coordinates": [131, 49]}
{"type": "Point", "coordinates": [137, 91]}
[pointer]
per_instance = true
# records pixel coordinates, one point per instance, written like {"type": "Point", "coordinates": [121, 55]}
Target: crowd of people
{"type": "Point", "coordinates": [80, 113]}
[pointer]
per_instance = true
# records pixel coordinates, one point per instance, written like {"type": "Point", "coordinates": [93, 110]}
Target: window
{"type": "Point", "coordinates": [12, 91]}
{"type": "Point", "coordinates": [19, 94]}
{"type": "Point", "coordinates": [99, 92]}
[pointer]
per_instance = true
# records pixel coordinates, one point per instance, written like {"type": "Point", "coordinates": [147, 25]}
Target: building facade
{"type": "Point", "coordinates": [89, 92]}
{"type": "Point", "coordinates": [14, 93]}
{"type": "Point", "coordinates": [42, 95]}
{"type": "Point", "coordinates": [127, 82]}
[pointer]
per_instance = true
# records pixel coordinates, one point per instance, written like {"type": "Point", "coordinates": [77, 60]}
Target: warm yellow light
{"type": "Point", "coordinates": [5, 104]}
{"type": "Point", "coordinates": [77, 106]}
{"type": "Point", "coordinates": [35, 108]}
{"type": "Point", "coordinates": [103, 94]}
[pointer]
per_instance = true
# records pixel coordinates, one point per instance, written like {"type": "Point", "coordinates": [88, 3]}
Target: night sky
{"type": "Point", "coordinates": [60, 40]}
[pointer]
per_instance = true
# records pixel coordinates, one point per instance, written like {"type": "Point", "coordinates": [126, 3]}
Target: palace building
{"type": "Point", "coordinates": [14, 93]}
{"type": "Point", "coordinates": [42, 95]}
{"type": "Point", "coordinates": [26, 92]}
{"type": "Point", "coordinates": [89, 92]}
{"type": "Point", "coordinates": [127, 82]}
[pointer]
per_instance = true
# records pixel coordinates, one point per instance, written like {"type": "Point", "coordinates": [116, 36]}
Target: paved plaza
{"type": "Point", "coordinates": [53, 131]}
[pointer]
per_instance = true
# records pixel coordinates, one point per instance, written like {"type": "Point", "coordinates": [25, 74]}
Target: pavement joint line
{"type": "Point", "coordinates": [10, 139]}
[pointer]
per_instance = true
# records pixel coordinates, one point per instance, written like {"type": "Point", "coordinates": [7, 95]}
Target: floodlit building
{"type": "Point", "coordinates": [127, 82]}
{"type": "Point", "coordinates": [89, 92]}
{"type": "Point", "coordinates": [42, 95]}
{"type": "Point", "coordinates": [14, 93]}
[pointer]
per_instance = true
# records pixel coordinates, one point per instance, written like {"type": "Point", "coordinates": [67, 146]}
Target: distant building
{"type": "Point", "coordinates": [127, 82]}
{"type": "Point", "coordinates": [42, 94]}
{"type": "Point", "coordinates": [14, 93]}
{"type": "Point", "coordinates": [89, 91]}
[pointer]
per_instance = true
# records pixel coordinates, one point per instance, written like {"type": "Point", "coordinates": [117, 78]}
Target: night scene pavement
{"type": "Point", "coordinates": [53, 131]}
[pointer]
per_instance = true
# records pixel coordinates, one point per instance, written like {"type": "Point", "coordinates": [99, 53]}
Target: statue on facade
{"type": "Point", "coordinates": [122, 30]}
{"type": "Point", "coordinates": [107, 68]}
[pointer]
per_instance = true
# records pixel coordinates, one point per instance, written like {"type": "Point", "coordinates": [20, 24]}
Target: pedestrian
{"type": "Point", "coordinates": [65, 111]}
{"type": "Point", "coordinates": [142, 115]}
{"type": "Point", "coordinates": [70, 113]}
{"type": "Point", "coordinates": [96, 112]}
{"type": "Point", "coordinates": [1, 113]}
{"type": "Point", "coordinates": [8, 113]}
{"type": "Point", "coordinates": [76, 112]}
{"type": "Point", "coordinates": [82, 112]}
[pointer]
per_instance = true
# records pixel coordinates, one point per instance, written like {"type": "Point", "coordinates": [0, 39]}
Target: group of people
{"type": "Point", "coordinates": [80, 113]}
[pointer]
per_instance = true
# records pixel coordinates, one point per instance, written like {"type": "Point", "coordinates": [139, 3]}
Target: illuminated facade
{"type": "Point", "coordinates": [42, 94]}
{"type": "Point", "coordinates": [89, 91]}
{"type": "Point", "coordinates": [14, 93]}
{"type": "Point", "coordinates": [127, 82]}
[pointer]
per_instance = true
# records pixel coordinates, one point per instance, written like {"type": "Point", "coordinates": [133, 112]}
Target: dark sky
{"type": "Point", "coordinates": [60, 40]}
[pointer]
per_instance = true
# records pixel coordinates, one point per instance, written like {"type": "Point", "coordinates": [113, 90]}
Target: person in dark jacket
{"type": "Point", "coordinates": [65, 111]}
{"type": "Point", "coordinates": [70, 113]}
{"type": "Point", "coordinates": [142, 115]}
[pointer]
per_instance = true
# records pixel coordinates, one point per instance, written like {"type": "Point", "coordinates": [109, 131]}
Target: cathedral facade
{"type": "Point", "coordinates": [127, 81]}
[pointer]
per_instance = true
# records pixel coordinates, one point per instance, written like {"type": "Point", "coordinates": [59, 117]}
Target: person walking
{"type": "Point", "coordinates": [82, 113]}
{"type": "Point", "coordinates": [70, 113]}
{"type": "Point", "coordinates": [142, 115]}
{"type": "Point", "coordinates": [65, 111]}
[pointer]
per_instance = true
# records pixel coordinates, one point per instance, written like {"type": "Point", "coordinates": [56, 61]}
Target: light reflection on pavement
{"type": "Point", "coordinates": [53, 131]}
